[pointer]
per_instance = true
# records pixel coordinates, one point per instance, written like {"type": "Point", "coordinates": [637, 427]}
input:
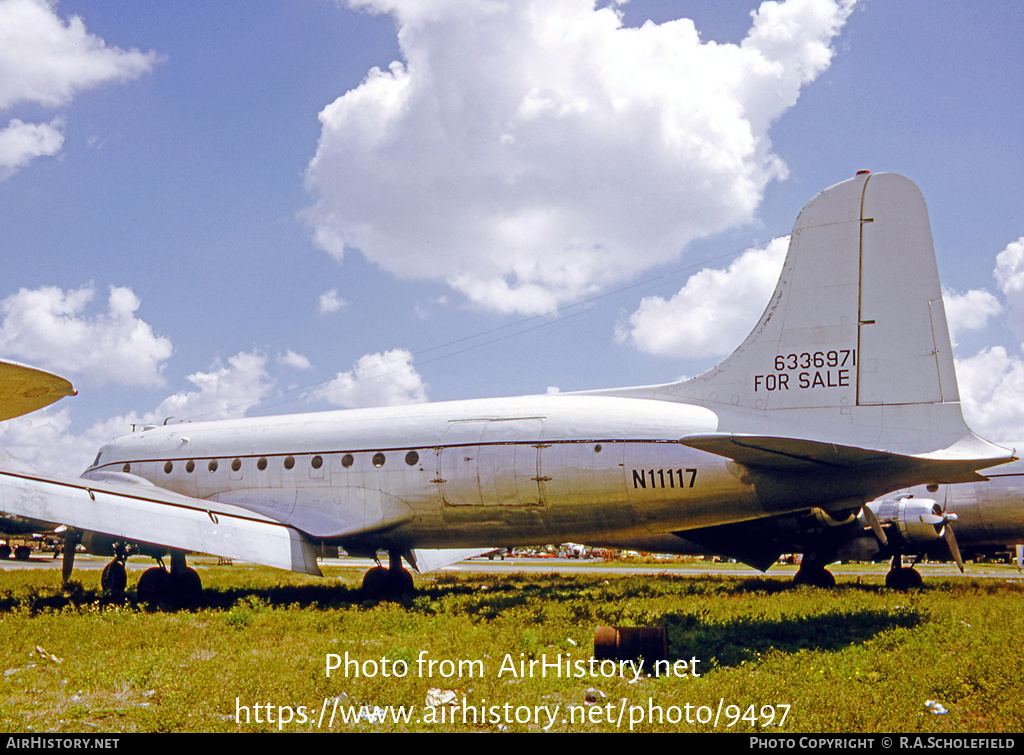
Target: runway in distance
{"type": "Point", "coordinates": [843, 392]}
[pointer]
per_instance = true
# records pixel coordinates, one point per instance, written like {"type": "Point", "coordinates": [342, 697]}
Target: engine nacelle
{"type": "Point", "coordinates": [919, 520]}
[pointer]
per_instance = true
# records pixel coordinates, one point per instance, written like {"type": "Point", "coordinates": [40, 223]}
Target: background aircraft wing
{"type": "Point", "coordinates": [25, 389]}
{"type": "Point", "coordinates": [138, 511]}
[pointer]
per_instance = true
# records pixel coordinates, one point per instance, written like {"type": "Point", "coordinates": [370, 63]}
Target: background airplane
{"type": "Point", "coordinates": [844, 391]}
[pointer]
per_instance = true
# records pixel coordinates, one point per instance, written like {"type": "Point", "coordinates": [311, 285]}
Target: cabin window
{"type": "Point", "coordinates": [190, 466]}
{"type": "Point", "coordinates": [212, 466]}
{"type": "Point", "coordinates": [317, 462]}
{"type": "Point", "coordinates": [347, 460]}
{"type": "Point", "coordinates": [289, 462]}
{"type": "Point", "coordinates": [168, 467]}
{"type": "Point", "coordinates": [597, 448]}
{"type": "Point", "coordinates": [127, 468]}
{"type": "Point", "coordinates": [378, 460]}
{"type": "Point", "coordinates": [411, 458]}
{"type": "Point", "coordinates": [261, 464]}
{"type": "Point", "coordinates": [236, 464]}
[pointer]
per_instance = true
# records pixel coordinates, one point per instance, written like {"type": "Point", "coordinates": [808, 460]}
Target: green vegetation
{"type": "Point", "coordinates": [855, 658]}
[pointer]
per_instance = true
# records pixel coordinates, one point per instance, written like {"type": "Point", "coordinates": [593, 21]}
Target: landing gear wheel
{"type": "Point", "coordinates": [22, 553]}
{"type": "Point", "coordinates": [403, 581]}
{"type": "Point", "coordinates": [5, 551]}
{"type": "Point", "coordinates": [814, 577]}
{"type": "Point", "coordinates": [386, 584]}
{"type": "Point", "coordinates": [186, 587]}
{"type": "Point", "coordinates": [154, 585]}
{"type": "Point", "coordinates": [903, 579]}
{"type": "Point", "coordinates": [375, 583]}
{"type": "Point", "coordinates": [114, 578]}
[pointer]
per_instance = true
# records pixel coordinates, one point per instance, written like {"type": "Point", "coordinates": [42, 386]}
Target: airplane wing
{"type": "Point", "coordinates": [136, 510]}
{"type": "Point", "coordinates": [25, 389]}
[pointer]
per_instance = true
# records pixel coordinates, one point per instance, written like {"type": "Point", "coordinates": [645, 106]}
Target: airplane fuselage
{"type": "Point", "coordinates": [457, 474]}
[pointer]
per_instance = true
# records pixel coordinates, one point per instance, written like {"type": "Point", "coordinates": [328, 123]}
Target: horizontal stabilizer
{"type": "Point", "coordinates": [425, 560]}
{"type": "Point", "coordinates": [138, 511]}
{"type": "Point", "coordinates": [799, 455]}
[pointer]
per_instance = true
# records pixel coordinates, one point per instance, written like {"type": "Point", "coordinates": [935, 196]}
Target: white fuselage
{"type": "Point", "coordinates": [457, 474]}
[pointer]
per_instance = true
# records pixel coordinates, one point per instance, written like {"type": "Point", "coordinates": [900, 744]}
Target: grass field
{"type": "Point", "coordinates": [254, 655]}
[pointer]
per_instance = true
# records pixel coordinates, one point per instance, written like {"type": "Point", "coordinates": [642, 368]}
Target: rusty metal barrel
{"type": "Point", "coordinates": [624, 643]}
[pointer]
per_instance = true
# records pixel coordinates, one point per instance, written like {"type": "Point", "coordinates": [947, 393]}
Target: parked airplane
{"type": "Point", "coordinates": [843, 392]}
{"type": "Point", "coordinates": [941, 522]}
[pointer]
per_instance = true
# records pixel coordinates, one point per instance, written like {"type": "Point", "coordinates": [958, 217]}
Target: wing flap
{"type": "Point", "coordinates": [147, 514]}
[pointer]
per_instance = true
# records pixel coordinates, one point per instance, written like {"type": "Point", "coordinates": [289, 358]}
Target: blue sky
{"type": "Point", "coordinates": [290, 206]}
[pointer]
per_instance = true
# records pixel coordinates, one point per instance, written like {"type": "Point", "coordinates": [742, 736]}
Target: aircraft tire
{"type": "Point", "coordinates": [380, 584]}
{"type": "Point", "coordinates": [5, 551]}
{"type": "Point", "coordinates": [186, 587]}
{"type": "Point", "coordinates": [403, 582]}
{"type": "Point", "coordinates": [375, 583]}
{"type": "Point", "coordinates": [903, 579]}
{"type": "Point", "coordinates": [22, 553]}
{"type": "Point", "coordinates": [114, 578]}
{"type": "Point", "coordinates": [815, 577]}
{"type": "Point", "coordinates": [154, 585]}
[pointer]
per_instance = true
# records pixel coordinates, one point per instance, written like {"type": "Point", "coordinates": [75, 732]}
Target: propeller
{"type": "Point", "coordinates": [875, 525]}
{"type": "Point", "coordinates": [893, 512]}
{"type": "Point", "coordinates": [939, 517]}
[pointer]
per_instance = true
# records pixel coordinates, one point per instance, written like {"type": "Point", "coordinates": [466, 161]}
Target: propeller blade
{"type": "Point", "coordinates": [953, 548]}
{"type": "Point", "coordinates": [876, 527]}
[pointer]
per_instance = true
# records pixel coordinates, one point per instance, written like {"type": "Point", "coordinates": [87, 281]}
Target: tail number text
{"type": "Point", "coordinates": [664, 478]}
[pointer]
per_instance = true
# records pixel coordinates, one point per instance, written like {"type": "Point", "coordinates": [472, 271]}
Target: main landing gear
{"type": "Point", "coordinates": [813, 575]}
{"type": "Point", "coordinates": [388, 583]}
{"type": "Point", "coordinates": [181, 585]}
{"type": "Point", "coordinates": [900, 577]}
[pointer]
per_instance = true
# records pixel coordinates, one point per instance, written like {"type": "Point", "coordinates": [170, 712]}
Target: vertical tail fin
{"type": "Point", "coordinates": [857, 317]}
{"type": "Point", "coordinates": [853, 347]}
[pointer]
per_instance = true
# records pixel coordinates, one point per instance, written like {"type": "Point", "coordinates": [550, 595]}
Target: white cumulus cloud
{"type": "Point", "coordinates": [529, 153]}
{"type": "Point", "coordinates": [970, 311]}
{"type": "Point", "coordinates": [713, 312]}
{"type": "Point", "coordinates": [45, 61]}
{"type": "Point", "coordinates": [45, 438]}
{"type": "Point", "coordinates": [223, 392]}
{"type": "Point", "coordinates": [1009, 270]}
{"type": "Point", "coordinates": [21, 142]}
{"type": "Point", "coordinates": [51, 328]}
{"type": "Point", "coordinates": [992, 394]}
{"type": "Point", "coordinates": [381, 379]}
{"type": "Point", "coordinates": [330, 302]}
{"type": "Point", "coordinates": [295, 361]}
